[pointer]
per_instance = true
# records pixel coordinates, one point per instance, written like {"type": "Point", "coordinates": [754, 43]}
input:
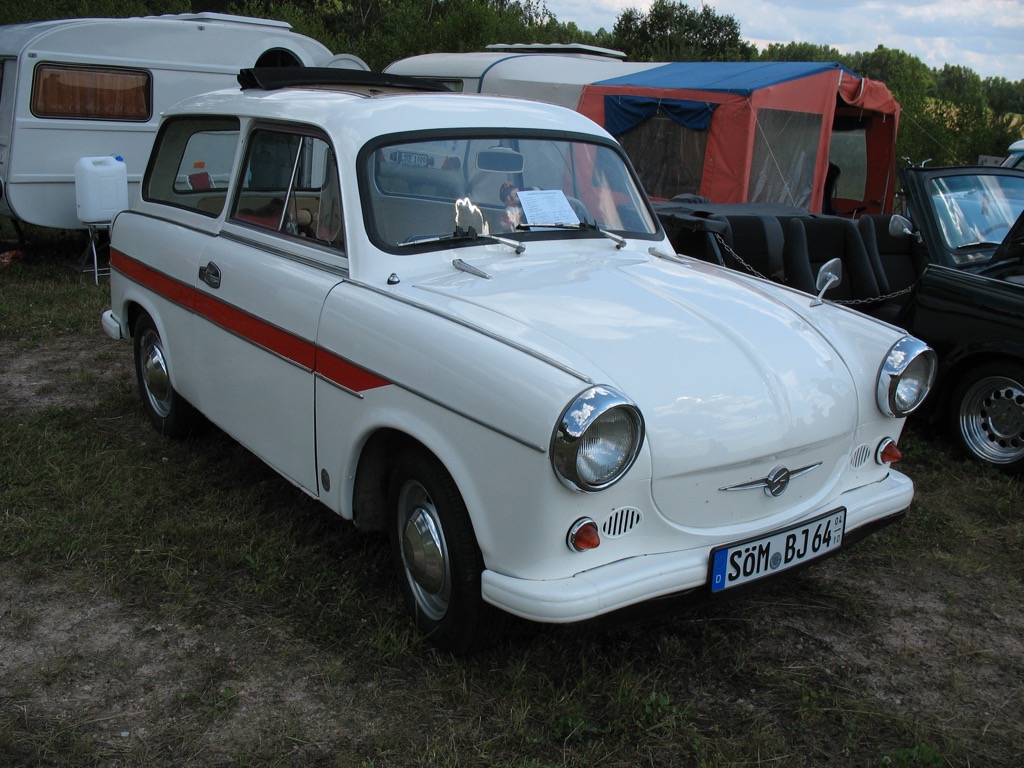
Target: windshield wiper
{"type": "Point", "coordinates": [585, 226]}
{"type": "Point", "coordinates": [468, 235]}
{"type": "Point", "coordinates": [979, 244]}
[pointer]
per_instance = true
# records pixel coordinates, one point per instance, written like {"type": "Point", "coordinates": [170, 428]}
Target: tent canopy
{"type": "Point", "coordinates": [767, 133]}
{"type": "Point", "coordinates": [733, 132]}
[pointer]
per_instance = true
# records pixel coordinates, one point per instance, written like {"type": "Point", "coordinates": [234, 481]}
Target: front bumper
{"type": "Point", "coordinates": [636, 579]}
{"type": "Point", "coordinates": [112, 326]}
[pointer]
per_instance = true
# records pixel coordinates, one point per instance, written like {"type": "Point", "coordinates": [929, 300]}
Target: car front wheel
{"type": "Point", "coordinates": [988, 415]}
{"type": "Point", "coordinates": [437, 558]}
{"type": "Point", "coordinates": [169, 412]}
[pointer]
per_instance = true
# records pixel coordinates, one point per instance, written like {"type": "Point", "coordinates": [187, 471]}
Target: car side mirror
{"type": "Point", "coordinates": [900, 226]}
{"type": "Point", "coordinates": [831, 273]}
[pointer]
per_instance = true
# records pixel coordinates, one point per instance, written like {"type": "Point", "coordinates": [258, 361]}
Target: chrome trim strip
{"type": "Point", "coordinates": [279, 252]}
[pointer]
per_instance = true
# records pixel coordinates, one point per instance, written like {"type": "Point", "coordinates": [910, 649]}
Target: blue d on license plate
{"type": "Point", "coordinates": [746, 561]}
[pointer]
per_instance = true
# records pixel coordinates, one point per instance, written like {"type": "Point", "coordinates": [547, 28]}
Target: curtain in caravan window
{"type": "Point", "coordinates": [91, 93]}
{"type": "Point", "coordinates": [785, 153]}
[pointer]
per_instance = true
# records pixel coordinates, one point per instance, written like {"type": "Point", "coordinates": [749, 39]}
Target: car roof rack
{"type": "Point", "coordinates": [274, 78]}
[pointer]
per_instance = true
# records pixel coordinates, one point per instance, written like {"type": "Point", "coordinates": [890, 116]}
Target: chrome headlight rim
{"type": "Point", "coordinates": [591, 407]}
{"type": "Point", "coordinates": [908, 355]}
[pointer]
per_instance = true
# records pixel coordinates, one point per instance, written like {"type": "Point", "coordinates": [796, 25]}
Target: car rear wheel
{"type": "Point", "coordinates": [169, 412]}
{"type": "Point", "coordinates": [988, 415]}
{"type": "Point", "coordinates": [437, 558]}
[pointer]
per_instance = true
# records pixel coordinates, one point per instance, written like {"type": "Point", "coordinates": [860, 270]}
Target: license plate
{"type": "Point", "coordinates": [746, 561]}
{"type": "Point", "coordinates": [415, 159]}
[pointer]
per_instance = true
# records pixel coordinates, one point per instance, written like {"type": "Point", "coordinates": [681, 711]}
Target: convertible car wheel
{"type": "Point", "coordinates": [169, 412]}
{"type": "Point", "coordinates": [438, 561]}
{"type": "Point", "coordinates": [988, 415]}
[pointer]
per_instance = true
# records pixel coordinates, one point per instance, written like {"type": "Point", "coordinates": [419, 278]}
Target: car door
{"type": "Point", "coordinates": [260, 287]}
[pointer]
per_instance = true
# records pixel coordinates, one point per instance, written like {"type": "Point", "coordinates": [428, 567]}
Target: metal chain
{"type": "Point", "coordinates": [876, 299]}
{"type": "Point", "coordinates": [731, 252]}
{"type": "Point", "coordinates": [844, 302]}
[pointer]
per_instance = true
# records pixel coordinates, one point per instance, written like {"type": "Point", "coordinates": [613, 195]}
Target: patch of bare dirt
{"type": "Point", "coordinates": [65, 373]}
{"type": "Point", "coordinates": [163, 693]}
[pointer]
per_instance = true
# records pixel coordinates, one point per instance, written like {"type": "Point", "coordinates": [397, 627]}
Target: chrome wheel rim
{"type": "Point", "coordinates": [155, 378]}
{"type": "Point", "coordinates": [424, 551]}
{"type": "Point", "coordinates": [992, 419]}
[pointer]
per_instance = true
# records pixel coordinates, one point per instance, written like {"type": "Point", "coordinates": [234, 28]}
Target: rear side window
{"type": "Point", "coordinates": [92, 93]}
{"type": "Point", "coordinates": [191, 163]}
{"type": "Point", "coordinates": [290, 185]}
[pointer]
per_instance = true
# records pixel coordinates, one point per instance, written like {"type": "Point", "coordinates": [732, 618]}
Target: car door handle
{"type": "Point", "coordinates": [210, 274]}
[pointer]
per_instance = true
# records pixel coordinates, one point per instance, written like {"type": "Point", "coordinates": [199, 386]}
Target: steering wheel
{"type": "Point", "coordinates": [579, 208]}
{"type": "Point", "coordinates": [992, 228]}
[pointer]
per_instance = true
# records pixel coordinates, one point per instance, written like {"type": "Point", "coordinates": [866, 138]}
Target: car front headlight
{"type": "Point", "coordinates": [905, 377]}
{"type": "Point", "coordinates": [596, 440]}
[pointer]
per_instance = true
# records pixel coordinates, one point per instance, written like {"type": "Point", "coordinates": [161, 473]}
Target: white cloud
{"type": "Point", "coordinates": [984, 35]}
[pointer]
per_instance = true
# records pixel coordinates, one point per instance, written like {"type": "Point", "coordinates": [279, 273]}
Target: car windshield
{"type": "Point", "coordinates": [975, 210]}
{"type": "Point", "coordinates": [441, 191]}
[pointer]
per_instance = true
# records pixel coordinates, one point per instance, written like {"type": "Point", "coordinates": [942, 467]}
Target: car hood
{"type": "Point", "coordinates": [722, 368]}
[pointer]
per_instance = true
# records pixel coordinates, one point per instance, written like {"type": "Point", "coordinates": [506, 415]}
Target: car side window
{"type": "Point", "coordinates": [191, 164]}
{"type": "Point", "coordinates": [290, 185]}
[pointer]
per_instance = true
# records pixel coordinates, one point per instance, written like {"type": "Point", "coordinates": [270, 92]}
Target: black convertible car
{"type": "Point", "coordinates": [951, 272]}
{"type": "Point", "coordinates": [967, 229]}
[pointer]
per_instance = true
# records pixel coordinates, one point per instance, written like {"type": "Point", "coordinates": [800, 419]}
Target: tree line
{"type": "Point", "coordinates": [950, 115]}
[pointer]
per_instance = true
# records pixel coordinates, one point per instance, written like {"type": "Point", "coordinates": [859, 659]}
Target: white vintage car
{"type": "Point", "coordinates": [456, 318]}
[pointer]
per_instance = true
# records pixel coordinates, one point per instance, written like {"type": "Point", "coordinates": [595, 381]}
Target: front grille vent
{"type": "Point", "coordinates": [860, 456]}
{"type": "Point", "coordinates": [621, 521]}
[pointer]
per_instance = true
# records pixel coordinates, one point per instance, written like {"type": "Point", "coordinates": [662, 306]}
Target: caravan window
{"type": "Point", "coordinates": [92, 93]}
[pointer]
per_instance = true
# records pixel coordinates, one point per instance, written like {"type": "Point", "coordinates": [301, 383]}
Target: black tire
{"type": "Point", "coordinates": [437, 558]}
{"type": "Point", "coordinates": [170, 413]}
{"type": "Point", "coordinates": [987, 415]}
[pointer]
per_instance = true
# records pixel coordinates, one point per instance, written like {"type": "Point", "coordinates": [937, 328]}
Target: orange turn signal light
{"type": "Point", "coordinates": [583, 535]}
{"type": "Point", "coordinates": [888, 452]}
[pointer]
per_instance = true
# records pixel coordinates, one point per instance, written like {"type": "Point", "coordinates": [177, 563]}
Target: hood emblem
{"type": "Point", "coordinates": [775, 483]}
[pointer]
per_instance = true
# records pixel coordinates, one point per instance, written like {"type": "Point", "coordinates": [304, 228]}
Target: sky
{"type": "Point", "coordinates": [984, 35]}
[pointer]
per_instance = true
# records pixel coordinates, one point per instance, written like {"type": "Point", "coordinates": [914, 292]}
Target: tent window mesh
{"type": "Point", "coordinates": [668, 157]}
{"type": "Point", "coordinates": [785, 151]}
{"type": "Point", "coordinates": [849, 151]}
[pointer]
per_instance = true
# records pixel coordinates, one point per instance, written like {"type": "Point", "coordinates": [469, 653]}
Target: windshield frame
{"type": "Point", "coordinates": [969, 194]}
{"type": "Point", "coordinates": [370, 192]}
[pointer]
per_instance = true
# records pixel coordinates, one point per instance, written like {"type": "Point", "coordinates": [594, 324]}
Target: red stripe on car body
{"type": "Point", "coordinates": [289, 346]}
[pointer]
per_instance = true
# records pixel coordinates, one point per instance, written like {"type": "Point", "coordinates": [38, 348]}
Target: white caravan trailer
{"type": "Point", "coordinates": [77, 88]}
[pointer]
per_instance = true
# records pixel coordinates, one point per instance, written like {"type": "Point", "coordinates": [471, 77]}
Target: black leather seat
{"type": "Point", "coordinates": [810, 242]}
{"type": "Point", "coordinates": [758, 240]}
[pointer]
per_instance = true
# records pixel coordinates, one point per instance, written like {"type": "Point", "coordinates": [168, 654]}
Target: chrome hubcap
{"type": "Point", "coordinates": [992, 419]}
{"type": "Point", "coordinates": [424, 552]}
{"type": "Point", "coordinates": [154, 375]}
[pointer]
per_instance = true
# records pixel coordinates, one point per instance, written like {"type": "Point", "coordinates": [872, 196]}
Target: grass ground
{"type": "Point", "coordinates": [175, 603]}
